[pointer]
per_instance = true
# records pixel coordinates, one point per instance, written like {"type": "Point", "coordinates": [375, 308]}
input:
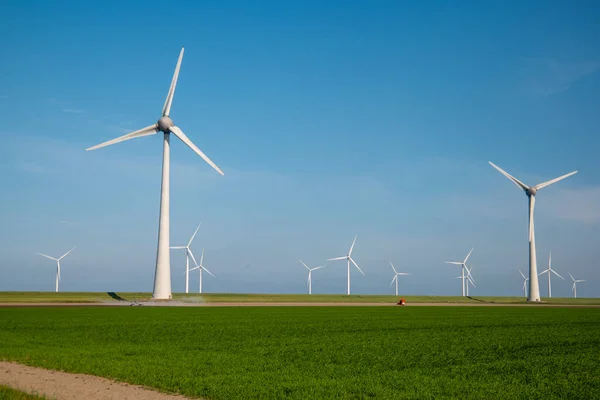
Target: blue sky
{"type": "Point", "coordinates": [329, 119]}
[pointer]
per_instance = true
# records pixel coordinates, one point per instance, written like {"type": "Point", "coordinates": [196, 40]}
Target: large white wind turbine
{"type": "Point", "coordinates": [462, 268]}
{"type": "Point", "coordinates": [349, 258]}
{"type": "Point", "coordinates": [531, 191]}
{"type": "Point", "coordinates": [162, 274]}
{"type": "Point", "coordinates": [57, 265]}
{"type": "Point", "coordinates": [396, 273]}
{"type": "Point", "coordinates": [201, 267]}
{"type": "Point", "coordinates": [525, 279]}
{"type": "Point", "coordinates": [547, 271]}
{"type": "Point", "coordinates": [188, 255]}
{"type": "Point", "coordinates": [310, 270]}
{"type": "Point", "coordinates": [575, 281]}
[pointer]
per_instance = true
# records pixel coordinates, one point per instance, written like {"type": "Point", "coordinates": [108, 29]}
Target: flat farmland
{"type": "Point", "coordinates": [319, 352]}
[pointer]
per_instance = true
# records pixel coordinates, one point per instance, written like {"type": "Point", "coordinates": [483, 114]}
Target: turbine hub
{"type": "Point", "coordinates": [531, 191]}
{"type": "Point", "coordinates": [164, 124]}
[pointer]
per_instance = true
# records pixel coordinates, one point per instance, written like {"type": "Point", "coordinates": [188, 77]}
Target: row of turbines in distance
{"type": "Point", "coordinates": [165, 125]}
{"type": "Point", "coordinates": [466, 277]}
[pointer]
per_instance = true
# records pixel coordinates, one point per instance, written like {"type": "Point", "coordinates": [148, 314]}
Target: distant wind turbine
{"type": "Point", "coordinates": [57, 265]}
{"type": "Point", "coordinates": [468, 278]}
{"type": "Point", "coordinates": [531, 191]}
{"type": "Point", "coordinates": [201, 267]}
{"type": "Point", "coordinates": [547, 271]}
{"type": "Point", "coordinates": [310, 270]}
{"type": "Point", "coordinates": [575, 281]}
{"type": "Point", "coordinates": [162, 274]}
{"type": "Point", "coordinates": [349, 258]}
{"type": "Point", "coordinates": [396, 273]}
{"type": "Point", "coordinates": [525, 279]}
{"type": "Point", "coordinates": [463, 265]}
{"type": "Point", "coordinates": [188, 255]}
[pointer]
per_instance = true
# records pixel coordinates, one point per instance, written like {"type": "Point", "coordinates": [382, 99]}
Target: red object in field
{"type": "Point", "coordinates": [402, 302]}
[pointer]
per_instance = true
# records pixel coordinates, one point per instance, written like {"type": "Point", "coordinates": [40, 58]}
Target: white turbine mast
{"type": "Point", "coordinates": [57, 265]}
{"type": "Point", "coordinates": [162, 275]}
{"type": "Point", "coordinates": [396, 274]}
{"type": "Point", "coordinates": [575, 281]}
{"type": "Point", "coordinates": [350, 260]}
{"type": "Point", "coordinates": [531, 191]}
{"type": "Point", "coordinates": [310, 270]}
{"type": "Point", "coordinates": [188, 255]}
{"type": "Point", "coordinates": [463, 265]}
{"type": "Point", "coordinates": [548, 271]}
{"type": "Point", "coordinates": [201, 267]}
{"type": "Point", "coordinates": [525, 279]}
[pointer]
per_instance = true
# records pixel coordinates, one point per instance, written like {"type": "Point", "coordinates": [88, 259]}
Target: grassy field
{"type": "Point", "coordinates": [319, 352]}
{"type": "Point", "coordinates": [95, 297]}
{"type": "Point", "coordinates": [7, 393]}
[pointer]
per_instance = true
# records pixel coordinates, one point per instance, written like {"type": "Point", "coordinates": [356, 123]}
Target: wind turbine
{"type": "Point", "coordinates": [57, 265]}
{"type": "Point", "coordinates": [463, 265]}
{"type": "Point", "coordinates": [349, 258]}
{"type": "Point", "coordinates": [188, 255]}
{"type": "Point", "coordinates": [531, 191]}
{"type": "Point", "coordinates": [310, 270]}
{"type": "Point", "coordinates": [201, 267]}
{"type": "Point", "coordinates": [548, 272]}
{"type": "Point", "coordinates": [525, 279]}
{"type": "Point", "coordinates": [396, 273]}
{"type": "Point", "coordinates": [468, 278]}
{"type": "Point", "coordinates": [162, 274]}
{"type": "Point", "coordinates": [575, 284]}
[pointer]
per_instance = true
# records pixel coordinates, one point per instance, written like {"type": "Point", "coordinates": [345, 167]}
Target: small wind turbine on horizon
{"type": "Point", "coordinates": [575, 281]}
{"type": "Point", "coordinates": [525, 279]}
{"type": "Point", "coordinates": [201, 267]}
{"type": "Point", "coordinates": [57, 265]}
{"type": "Point", "coordinates": [463, 265]}
{"type": "Point", "coordinates": [162, 274]}
{"type": "Point", "coordinates": [531, 191]}
{"type": "Point", "coordinates": [349, 258]}
{"type": "Point", "coordinates": [310, 270]}
{"type": "Point", "coordinates": [547, 271]}
{"type": "Point", "coordinates": [396, 274]}
{"type": "Point", "coordinates": [188, 255]}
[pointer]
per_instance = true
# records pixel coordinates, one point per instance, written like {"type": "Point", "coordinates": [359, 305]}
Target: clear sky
{"type": "Point", "coordinates": [329, 119]}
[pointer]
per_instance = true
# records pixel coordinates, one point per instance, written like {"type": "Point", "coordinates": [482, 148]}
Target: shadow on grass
{"type": "Point", "coordinates": [482, 301]}
{"type": "Point", "coordinates": [115, 296]}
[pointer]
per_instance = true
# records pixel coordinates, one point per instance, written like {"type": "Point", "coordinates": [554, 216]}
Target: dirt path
{"type": "Point", "coordinates": [64, 386]}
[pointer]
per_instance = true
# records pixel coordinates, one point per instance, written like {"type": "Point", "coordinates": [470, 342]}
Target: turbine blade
{"type": "Point", "coordinates": [580, 280]}
{"type": "Point", "coordinates": [352, 247]}
{"type": "Point", "coordinates": [356, 265]}
{"type": "Point", "coordinates": [316, 268]}
{"type": "Point", "coordinates": [194, 235]}
{"type": "Point", "coordinates": [522, 274]}
{"type": "Point", "coordinates": [550, 182]}
{"type": "Point", "coordinates": [189, 251]}
{"type": "Point", "coordinates": [393, 279]}
{"type": "Point", "coordinates": [52, 258]}
{"type": "Point", "coordinates": [557, 274]}
{"type": "Point", "coordinates": [338, 258]}
{"type": "Point", "coordinates": [403, 273]}
{"type": "Point", "coordinates": [66, 254]}
{"type": "Point", "coordinates": [550, 261]}
{"type": "Point", "coordinates": [454, 262]}
{"type": "Point", "coordinates": [210, 273]}
{"type": "Point", "coordinates": [179, 133]}
{"type": "Point", "coordinates": [178, 247]}
{"type": "Point", "coordinates": [393, 268]}
{"type": "Point", "coordinates": [167, 107]}
{"type": "Point", "coordinates": [468, 255]}
{"type": "Point", "coordinates": [517, 182]}
{"type": "Point", "coordinates": [202, 257]}
{"type": "Point", "coordinates": [149, 130]}
{"type": "Point", "coordinates": [573, 279]}
{"type": "Point", "coordinates": [543, 272]}
{"type": "Point", "coordinates": [301, 262]}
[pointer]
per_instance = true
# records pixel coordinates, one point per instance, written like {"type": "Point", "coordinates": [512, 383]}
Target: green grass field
{"type": "Point", "coordinates": [319, 352]}
{"type": "Point", "coordinates": [7, 393]}
{"type": "Point", "coordinates": [95, 297]}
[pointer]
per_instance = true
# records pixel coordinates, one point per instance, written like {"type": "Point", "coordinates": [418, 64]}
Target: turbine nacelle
{"type": "Point", "coordinates": [531, 191]}
{"type": "Point", "coordinates": [165, 124]}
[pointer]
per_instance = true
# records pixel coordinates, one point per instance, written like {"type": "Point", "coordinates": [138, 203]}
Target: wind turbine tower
{"type": "Point", "coordinates": [188, 255]}
{"type": "Point", "coordinates": [575, 281]}
{"type": "Point", "coordinates": [57, 265]}
{"type": "Point", "coordinates": [549, 271]}
{"type": "Point", "coordinates": [531, 191]}
{"type": "Point", "coordinates": [350, 260]}
{"type": "Point", "coordinates": [162, 273]}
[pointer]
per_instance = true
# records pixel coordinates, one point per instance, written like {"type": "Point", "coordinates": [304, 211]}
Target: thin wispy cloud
{"type": "Point", "coordinates": [548, 76]}
{"type": "Point", "coordinates": [72, 111]}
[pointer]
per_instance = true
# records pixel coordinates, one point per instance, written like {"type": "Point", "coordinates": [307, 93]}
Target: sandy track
{"type": "Point", "coordinates": [64, 386]}
{"type": "Point", "coordinates": [283, 304]}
